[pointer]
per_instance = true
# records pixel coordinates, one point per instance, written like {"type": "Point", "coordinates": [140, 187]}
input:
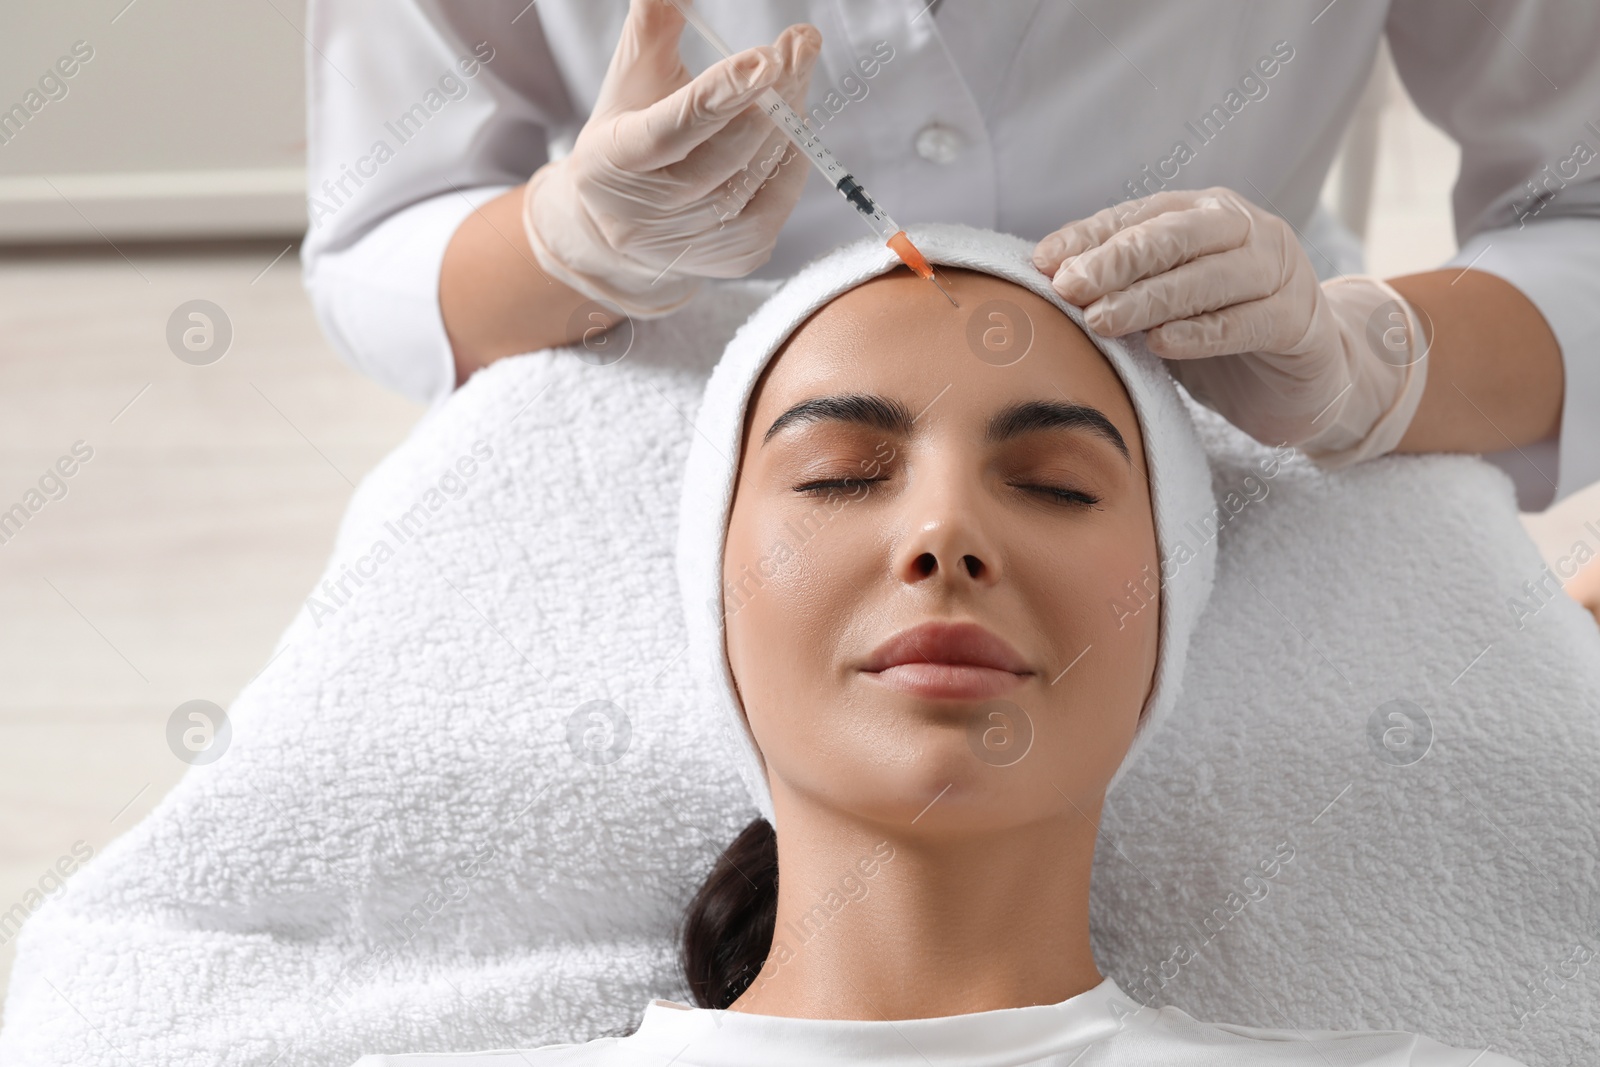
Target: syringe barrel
{"type": "Point", "coordinates": [794, 127]}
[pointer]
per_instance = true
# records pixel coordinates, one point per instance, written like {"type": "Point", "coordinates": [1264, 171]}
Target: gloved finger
{"type": "Point", "coordinates": [749, 222]}
{"type": "Point", "coordinates": [746, 240]}
{"type": "Point", "coordinates": [738, 153]}
{"type": "Point", "coordinates": [775, 155]}
{"type": "Point", "coordinates": [645, 65]}
{"type": "Point", "coordinates": [1082, 234]}
{"type": "Point", "coordinates": [668, 130]}
{"type": "Point", "coordinates": [1150, 248]}
{"type": "Point", "coordinates": [1200, 285]}
{"type": "Point", "coordinates": [684, 232]}
{"type": "Point", "coordinates": [729, 200]}
{"type": "Point", "coordinates": [1247, 327]}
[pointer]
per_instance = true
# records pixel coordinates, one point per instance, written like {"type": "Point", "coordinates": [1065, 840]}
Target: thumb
{"type": "Point", "coordinates": [668, 130]}
{"type": "Point", "coordinates": [645, 66]}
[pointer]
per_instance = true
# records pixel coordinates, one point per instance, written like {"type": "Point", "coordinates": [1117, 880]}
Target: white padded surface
{"type": "Point", "coordinates": [402, 849]}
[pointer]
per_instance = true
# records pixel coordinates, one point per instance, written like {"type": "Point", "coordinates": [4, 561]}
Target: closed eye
{"type": "Point", "coordinates": [1052, 493]}
{"type": "Point", "coordinates": [1055, 493]}
{"type": "Point", "coordinates": [830, 484]}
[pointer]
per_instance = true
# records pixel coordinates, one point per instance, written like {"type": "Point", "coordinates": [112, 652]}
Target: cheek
{"type": "Point", "coordinates": [1102, 596]}
{"type": "Point", "coordinates": [793, 577]}
{"type": "Point", "coordinates": [1104, 641]}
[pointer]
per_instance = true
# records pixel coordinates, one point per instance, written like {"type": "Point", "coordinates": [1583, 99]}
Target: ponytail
{"type": "Point", "coordinates": [727, 930]}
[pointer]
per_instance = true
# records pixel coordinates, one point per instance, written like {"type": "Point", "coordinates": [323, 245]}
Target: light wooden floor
{"type": "Point", "coordinates": [186, 543]}
{"type": "Point", "coordinates": [182, 547]}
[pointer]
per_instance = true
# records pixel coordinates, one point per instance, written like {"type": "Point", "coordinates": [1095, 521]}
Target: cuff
{"type": "Point", "coordinates": [378, 300]}
{"type": "Point", "coordinates": [1556, 265]}
{"type": "Point", "coordinates": [1384, 348]}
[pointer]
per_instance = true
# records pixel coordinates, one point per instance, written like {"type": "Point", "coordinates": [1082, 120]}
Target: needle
{"type": "Point", "coordinates": [942, 289]}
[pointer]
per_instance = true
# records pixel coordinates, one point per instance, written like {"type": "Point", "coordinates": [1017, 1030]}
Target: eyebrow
{"type": "Point", "coordinates": [891, 416]}
{"type": "Point", "coordinates": [1034, 415]}
{"type": "Point", "coordinates": [862, 409]}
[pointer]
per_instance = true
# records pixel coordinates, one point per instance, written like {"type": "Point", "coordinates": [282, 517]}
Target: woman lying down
{"type": "Point", "coordinates": [903, 524]}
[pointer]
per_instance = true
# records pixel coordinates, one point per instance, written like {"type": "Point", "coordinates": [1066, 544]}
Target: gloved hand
{"type": "Point", "coordinates": [1335, 368]}
{"type": "Point", "coordinates": [672, 179]}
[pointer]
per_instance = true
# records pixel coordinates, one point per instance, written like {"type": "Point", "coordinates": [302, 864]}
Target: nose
{"type": "Point", "coordinates": [946, 539]}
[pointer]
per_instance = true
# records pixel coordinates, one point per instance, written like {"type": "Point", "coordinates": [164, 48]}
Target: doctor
{"type": "Point", "coordinates": [494, 178]}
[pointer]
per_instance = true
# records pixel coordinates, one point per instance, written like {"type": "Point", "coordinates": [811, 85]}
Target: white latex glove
{"type": "Point", "coordinates": [672, 179]}
{"type": "Point", "coordinates": [1335, 368]}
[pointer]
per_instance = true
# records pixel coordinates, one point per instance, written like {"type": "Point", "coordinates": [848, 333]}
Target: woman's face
{"type": "Point", "coordinates": [927, 566]}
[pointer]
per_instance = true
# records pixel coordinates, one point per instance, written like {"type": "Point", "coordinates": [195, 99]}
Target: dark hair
{"type": "Point", "coordinates": [728, 926]}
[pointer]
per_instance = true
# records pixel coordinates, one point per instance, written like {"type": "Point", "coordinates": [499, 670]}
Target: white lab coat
{"type": "Point", "coordinates": [1017, 115]}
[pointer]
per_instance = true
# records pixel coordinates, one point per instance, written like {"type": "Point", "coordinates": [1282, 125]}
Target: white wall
{"type": "Point", "coordinates": [188, 120]}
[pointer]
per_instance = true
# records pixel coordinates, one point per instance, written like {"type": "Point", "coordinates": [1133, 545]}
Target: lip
{"type": "Point", "coordinates": [947, 660]}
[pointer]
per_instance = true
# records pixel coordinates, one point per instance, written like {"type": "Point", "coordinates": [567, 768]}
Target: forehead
{"type": "Point", "coordinates": [896, 336]}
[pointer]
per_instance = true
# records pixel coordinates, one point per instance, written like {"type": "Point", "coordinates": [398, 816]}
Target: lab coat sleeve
{"type": "Point", "coordinates": [1517, 86]}
{"type": "Point", "coordinates": [418, 111]}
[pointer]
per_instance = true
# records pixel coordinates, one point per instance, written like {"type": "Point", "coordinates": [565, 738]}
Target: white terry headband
{"type": "Point", "coordinates": [1180, 477]}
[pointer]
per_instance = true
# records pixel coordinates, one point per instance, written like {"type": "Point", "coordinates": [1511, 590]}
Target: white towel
{"type": "Point", "coordinates": [1180, 479]}
{"type": "Point", "coordinates": [414, 747]}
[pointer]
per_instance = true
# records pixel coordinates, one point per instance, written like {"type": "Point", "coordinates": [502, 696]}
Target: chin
{"type": "Point", "coordinates": [940, 784]}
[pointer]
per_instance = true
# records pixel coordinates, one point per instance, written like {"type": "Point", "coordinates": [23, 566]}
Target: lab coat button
{"type": "Point", "coordinates": [938, 143]}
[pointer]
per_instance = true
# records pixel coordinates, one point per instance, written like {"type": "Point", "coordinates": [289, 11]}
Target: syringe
{"type": "Point", "coordinates": [777, 109]}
